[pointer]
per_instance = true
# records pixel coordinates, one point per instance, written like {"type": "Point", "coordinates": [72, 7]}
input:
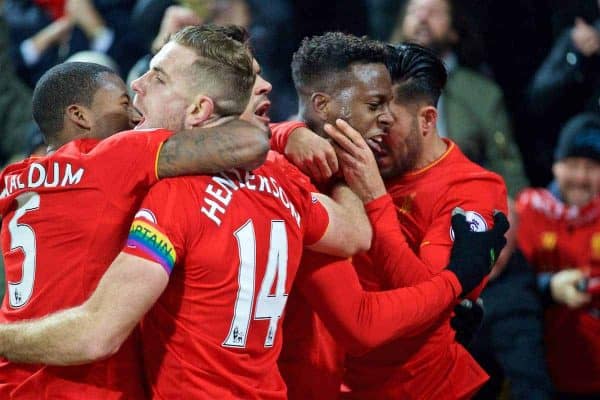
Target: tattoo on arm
{"type": "Point", "coordinates": [236, 144]}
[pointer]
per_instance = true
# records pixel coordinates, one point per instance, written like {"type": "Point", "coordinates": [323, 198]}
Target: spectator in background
{"type": "Point", "coordinates": [509, 345]}
{"type": "Point", "coordinates": [471, 110]}
{"type": "Point", "coordinates": [559, 234]}
{"type": "Point", "coordinates": [45, 33]}
{"type": "Point", "coordinates": [15, 106]}
{"type": "Point", "coordinates": [566, 83]}
{"type": "Point", "coordinates": [162, 18]}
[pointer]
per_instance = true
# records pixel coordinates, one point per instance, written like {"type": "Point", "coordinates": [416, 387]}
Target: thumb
{"type": "Point", "coordinates": [501, 224]}
{"type": "Point", "coordinates": [459, 221]}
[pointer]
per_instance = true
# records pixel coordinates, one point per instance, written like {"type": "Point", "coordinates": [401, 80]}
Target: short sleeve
{"type": "Point", "coordinates": [157, 232]}
{"type": "Point", "coordinates": [130, 158]}
{"type": "Point", "coordinates": [281, 132]}
{"type": "Point", "coordinates": [314, 214]}
{"type": "Point", "coordinates": [479, 204]}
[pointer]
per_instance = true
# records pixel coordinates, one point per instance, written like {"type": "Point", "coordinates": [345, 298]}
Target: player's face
{"type": "Point", "coordinates": [259, 103]}
{"type": "Point", "coordinates": [428, 23]}
{"type": "Point", "coordinates": [399, 150]}
{"type": "Point", "coordinates": [578, 179]}
{"type": "Point", "coordinates": [111, 108]}
{"type": "Point", "coordinates": [163, 94]}
{"type": "Point", "coordinates": [363, 100]}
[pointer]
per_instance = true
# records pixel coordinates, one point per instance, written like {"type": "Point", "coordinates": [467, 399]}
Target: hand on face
{"type": "Point", "coordinates": [357, 161]}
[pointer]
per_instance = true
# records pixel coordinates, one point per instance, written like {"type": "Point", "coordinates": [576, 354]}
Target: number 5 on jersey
{"type": "Point", "coordinates": [22, 237]}
{"type": "Point", "coordinates": [268, 306]}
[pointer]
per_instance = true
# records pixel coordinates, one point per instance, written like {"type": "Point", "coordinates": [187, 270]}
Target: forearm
{"type": "Point", "coordinates": [349, 231]}
{"type": "Point", "coordinates": [395, 263]}
{"type": "Point", "coordinates": [357, 218]}
{"type": "Point", "coordinates": [64, 338]}
{"type": "Point", "coordinates": [236, 144]}
{"type": "Point", "coordinates": [363, 320]}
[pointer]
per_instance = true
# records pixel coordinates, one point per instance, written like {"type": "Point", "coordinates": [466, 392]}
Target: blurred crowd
{"type": "Point", "coordinates": [522, 99]}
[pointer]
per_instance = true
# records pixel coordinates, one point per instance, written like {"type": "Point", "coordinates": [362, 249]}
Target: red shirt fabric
{"type": "Point", "coordinates": [215, 333]}
{"type": "Point", "coordinates": [64, 219]}
{"type": "Point", "coordinates": [312, 356]}
{"type": "Point", "coordinates": [554, 236]}
{"type": "Point", "coordinates": [429, 363]}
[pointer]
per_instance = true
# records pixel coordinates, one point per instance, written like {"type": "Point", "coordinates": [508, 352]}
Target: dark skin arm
{"type": "Point", "coordinates": [233, 144]}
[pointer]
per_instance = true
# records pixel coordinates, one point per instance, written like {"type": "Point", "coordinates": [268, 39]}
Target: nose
{"type": "Point", "coordinates": [263, 87]}
{"type": "Point", "coordinates": [386, 119]}
{"type": "Point", "coordinates": [137, 85]}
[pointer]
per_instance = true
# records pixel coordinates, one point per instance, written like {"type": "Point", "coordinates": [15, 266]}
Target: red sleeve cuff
{"type": "Point", "coordinates": [380, 207]}
{"type": "Point", "coordinates": [449, 275]}
{"type": "Point", "coordinates": [281, 132]}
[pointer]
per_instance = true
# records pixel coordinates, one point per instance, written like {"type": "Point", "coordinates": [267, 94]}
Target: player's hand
{"type": "Point", "coordinates": [174, 19]}
{"type": "Point", "coordinates": [467, 320]}
{"type": "Point", "coordinates": [357, 161]}
{"type": "Point", "coordinates": [311, 153]}
{"type": "Point", "coordinates": [564, 288]}
{"type": "Point", "coordinates": [585, 37]}
{"type": "Point", "coordinates": [473, 254]}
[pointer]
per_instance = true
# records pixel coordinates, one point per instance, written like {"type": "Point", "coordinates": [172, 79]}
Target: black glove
{"type": "Point", "coordinates": [474, 253]}
{"type": "Point", "coordinates": [467, 319]}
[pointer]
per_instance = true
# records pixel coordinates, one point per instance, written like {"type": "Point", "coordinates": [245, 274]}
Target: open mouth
{"type": "Point", "coordinates": [262, 111]}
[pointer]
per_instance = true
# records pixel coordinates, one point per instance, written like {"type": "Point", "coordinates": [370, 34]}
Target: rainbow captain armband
{"type": "Point", "coordinates": [147, 241]}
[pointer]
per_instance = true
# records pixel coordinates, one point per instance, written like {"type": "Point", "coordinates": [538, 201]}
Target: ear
{"type": "Point", "coordinates": [199, 111]}
{"type": "Point", "coordinates": [428, 119]}
{"type": "Point", "coordinates": [320, 103]}
{"type": "Point", "coordinates": [79, 116]}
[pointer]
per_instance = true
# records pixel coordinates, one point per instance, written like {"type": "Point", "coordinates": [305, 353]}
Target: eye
{"type": "Point", "coordinates": [374, 106]}
{"type": "Point", "coordinates": [158, 79]}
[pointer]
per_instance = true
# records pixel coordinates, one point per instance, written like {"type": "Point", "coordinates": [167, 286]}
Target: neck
{"type": "Point", "coordinates": [433, 148]}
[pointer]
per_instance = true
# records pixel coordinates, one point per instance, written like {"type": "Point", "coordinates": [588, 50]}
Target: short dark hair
{"type": "Point", "coordinates": [320, 57]}
{"type": "Point", "coordinates": [61, 86]}
{"type": "Point", "coordinates": [420, 73]}
{"type": "Point", "coordinates": [223, 68]}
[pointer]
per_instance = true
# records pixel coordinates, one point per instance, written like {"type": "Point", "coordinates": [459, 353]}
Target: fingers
{"type": "Point", "coordinates": [340, 138]}
{"type": "Point", "coordinates": [349, 131]}
{"type": "Point", "coordinates": [323, 167]}
{"type": "Point", "coordinates": [501, 224]}
{"type": "Point", "coordinates": [459, 221]}
{"type": "Point", "coordinates": [332, 161]}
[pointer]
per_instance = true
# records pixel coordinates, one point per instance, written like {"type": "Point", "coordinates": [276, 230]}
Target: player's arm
{"type": "Point", "coordinates": [97, 328]}
{"type": "Point", "coordinates": [311, 153]}
{"type": "Point", "coordinates": [363, 320]}
{"type": "Point", "coordinates": [233, 144]}
{"type": "Point", "coordinates": [349, 230]}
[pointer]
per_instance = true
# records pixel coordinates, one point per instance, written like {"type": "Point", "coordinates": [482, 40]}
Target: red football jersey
{"type": "Point", "coordinates": [237, 239]}
{"type": "Point", "coordinates": [64, 219]}
{"type": "Point", "coordinates": [428, 364]}
{"type": "Point", "coordinates": [554, 236]}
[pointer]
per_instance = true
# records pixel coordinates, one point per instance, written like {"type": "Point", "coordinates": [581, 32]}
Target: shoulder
{"type": "Point", "coordinates": [133, 137]}
{"type": "Point", "coordinates": [276, 163]}
{"type": "Point", "coordinates": [467, 170]}
{"type": "Point", "coordinates": [537, 200]}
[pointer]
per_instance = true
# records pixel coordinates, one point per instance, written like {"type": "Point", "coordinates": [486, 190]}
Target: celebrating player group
{"type": "Point", "coordinates": [205, 253]}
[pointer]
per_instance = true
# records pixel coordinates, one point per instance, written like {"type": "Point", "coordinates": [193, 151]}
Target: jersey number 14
{"type": "Point", "coordinates": [268, 306]}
